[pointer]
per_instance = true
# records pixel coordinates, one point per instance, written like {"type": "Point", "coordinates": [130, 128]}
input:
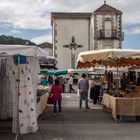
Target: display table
{"type": "Point", "coordinates": [42, 104]}
{"type": "Point", "coordinates": [121, 106]}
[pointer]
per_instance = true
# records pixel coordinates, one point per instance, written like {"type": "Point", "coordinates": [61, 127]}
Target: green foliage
{"type": "Point", "coordinates": [10, 40]}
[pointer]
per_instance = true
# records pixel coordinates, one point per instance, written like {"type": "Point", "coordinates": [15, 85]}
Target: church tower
{"type": "Point", "coordinates": [106, 28]}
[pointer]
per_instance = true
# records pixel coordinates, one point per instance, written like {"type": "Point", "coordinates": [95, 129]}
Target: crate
{"type": "Point", "coordinates": [128, 118]}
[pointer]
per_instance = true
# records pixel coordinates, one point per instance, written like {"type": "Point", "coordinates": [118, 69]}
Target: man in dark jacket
{"type": "Point", "coordinates": [95, 93]}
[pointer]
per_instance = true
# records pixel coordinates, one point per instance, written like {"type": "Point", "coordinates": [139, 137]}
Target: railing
{"type": "Point", "coordinates": [109, 34]}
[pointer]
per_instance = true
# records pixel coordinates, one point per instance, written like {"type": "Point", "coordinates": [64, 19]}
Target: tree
{"type": "Point", "coordinates": [10, 40]}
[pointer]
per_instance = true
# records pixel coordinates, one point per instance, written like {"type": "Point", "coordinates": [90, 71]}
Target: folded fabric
{"type": "Point", "coordinates": [15, 59]}
{"type": "Point", "coordinates": [23, 59]}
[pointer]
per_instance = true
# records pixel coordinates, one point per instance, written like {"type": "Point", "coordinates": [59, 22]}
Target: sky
{"type": "Point", "coordinates": [30, 19]}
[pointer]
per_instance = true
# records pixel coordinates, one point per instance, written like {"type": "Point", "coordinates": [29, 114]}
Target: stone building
{"type": "Point", "coordinates": [48, 47]}
{"type": "Point", "coordinates": [98, 30]}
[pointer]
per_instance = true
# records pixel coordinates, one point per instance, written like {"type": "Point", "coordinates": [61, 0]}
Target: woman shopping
{"type": "Point", "coordinates": [57, 97]}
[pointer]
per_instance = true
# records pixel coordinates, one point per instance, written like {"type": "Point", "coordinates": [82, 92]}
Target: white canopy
{"type": "Point", "coordinates": [24, 78]}
{"type": "Point", "coordinates": [22, 50]}
{"type": "Point", "coordinates": [110, 57]}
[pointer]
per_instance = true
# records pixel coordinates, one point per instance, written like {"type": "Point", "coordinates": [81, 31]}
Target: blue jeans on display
{"type": "Point", "coordinates": [55, 107]}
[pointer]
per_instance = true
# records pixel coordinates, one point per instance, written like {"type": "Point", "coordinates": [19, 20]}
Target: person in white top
{"type": "Point", "coordinates": [71, 83]}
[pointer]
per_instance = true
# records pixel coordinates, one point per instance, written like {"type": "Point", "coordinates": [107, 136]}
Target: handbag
{"type": "Point", "coordinates": [50, 99]}
{"type": "Point", "coordinates": [78, 93]}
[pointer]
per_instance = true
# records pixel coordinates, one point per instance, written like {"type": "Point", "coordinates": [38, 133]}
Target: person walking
{"type": "Point", "coordinates": [57, 97]}
{"type": "Point", "coordinates": [83, 86]}
{"type": "Point", "coordinates": [71, 83]}
{"type": "Point", "coordinates": [62, 82]}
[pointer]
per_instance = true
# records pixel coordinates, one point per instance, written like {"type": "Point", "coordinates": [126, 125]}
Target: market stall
{"type": "Point", "coordinates": [63, 72]}
{"type": "Point", "coordinates": [122, 107]}
{"type": "Point", "coordinates": [42, 97]}
{"type": "Point", "coordinates": [114, 58]}
{"type": "Point", "coordinates": [19, 68]}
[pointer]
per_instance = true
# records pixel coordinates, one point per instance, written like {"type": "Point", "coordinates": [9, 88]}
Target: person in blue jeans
{"type": "Point", "coordinates": [83, 86]}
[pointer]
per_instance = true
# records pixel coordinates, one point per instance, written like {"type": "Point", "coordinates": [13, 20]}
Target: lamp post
{"type": "Point", "coordinates": [72, 46]}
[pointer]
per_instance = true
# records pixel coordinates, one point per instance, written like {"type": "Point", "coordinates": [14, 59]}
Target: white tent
{"type": "Point", "coordinates": [18, 84]}
{"type": "Point", "coordinates": [22, 50]}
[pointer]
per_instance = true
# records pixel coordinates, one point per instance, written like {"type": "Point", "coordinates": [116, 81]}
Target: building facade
{"type": "Point", "coordinates": [98, 30]}
{"type": "Point", "coordinates": [106, 28]}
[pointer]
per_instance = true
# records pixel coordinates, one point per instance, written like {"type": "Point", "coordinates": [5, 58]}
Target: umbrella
{"type": "Point", "coordinates": [22, 50]}
{"type": "Point", "coordinates": [109, 57]}
{"type": "Point", "coordinates": [54, 72]}
{"type": "Point", "coordinates": [78, 71]}
{"type": "Point", "coordinates": [62, 72]}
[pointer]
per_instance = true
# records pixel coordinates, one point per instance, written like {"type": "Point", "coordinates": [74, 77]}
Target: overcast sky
{"type": "Point", "coordinates": [30, 19]}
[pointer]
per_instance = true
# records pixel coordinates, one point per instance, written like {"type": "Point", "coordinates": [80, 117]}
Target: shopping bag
{"type": "Point", "coordinates": [50, 99]}
{"type": "Point", "coordinates": [78, 93]}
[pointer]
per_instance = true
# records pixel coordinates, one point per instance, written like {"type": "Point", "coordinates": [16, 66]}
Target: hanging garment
{"type": "Point", "coordinates": [24, 96]}
{"type": "Point", "coordinates": [27, 101]}
{"type": "Point", "coordinates": [5, 94]}
{"type": "Point", "coordinates": [94, 93]}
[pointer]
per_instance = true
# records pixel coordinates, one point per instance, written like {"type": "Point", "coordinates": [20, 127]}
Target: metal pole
{"type": "Point", "coordinates": [117, 78]}
{"type": "Point", "coordinates": [18, 135]}
{"type": "Point", "coordinates": [71, 57]}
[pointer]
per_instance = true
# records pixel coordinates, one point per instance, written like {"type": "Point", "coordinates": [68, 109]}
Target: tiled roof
{"type": "Point", "coordinates": [45, 45]}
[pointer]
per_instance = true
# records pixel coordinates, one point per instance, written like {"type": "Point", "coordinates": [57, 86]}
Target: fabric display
{"type": "Point", "coordinates": [5, 91]}
{"type": "Point", "coordinates": [18, 85]}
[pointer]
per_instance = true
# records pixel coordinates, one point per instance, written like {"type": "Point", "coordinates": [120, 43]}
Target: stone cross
{"type": "Point", "coordinates": [73, 46]}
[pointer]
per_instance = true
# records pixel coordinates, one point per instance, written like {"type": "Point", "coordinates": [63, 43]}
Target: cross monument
{"type": "Point", "coordinates": [73, 46]}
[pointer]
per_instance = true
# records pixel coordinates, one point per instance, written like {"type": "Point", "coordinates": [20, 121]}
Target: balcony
{"type": "Point", "coordinates": [109, 34]}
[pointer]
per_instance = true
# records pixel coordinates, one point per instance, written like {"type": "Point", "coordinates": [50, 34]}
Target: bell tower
{"type": "Point", "coordinates": [107, 28]}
